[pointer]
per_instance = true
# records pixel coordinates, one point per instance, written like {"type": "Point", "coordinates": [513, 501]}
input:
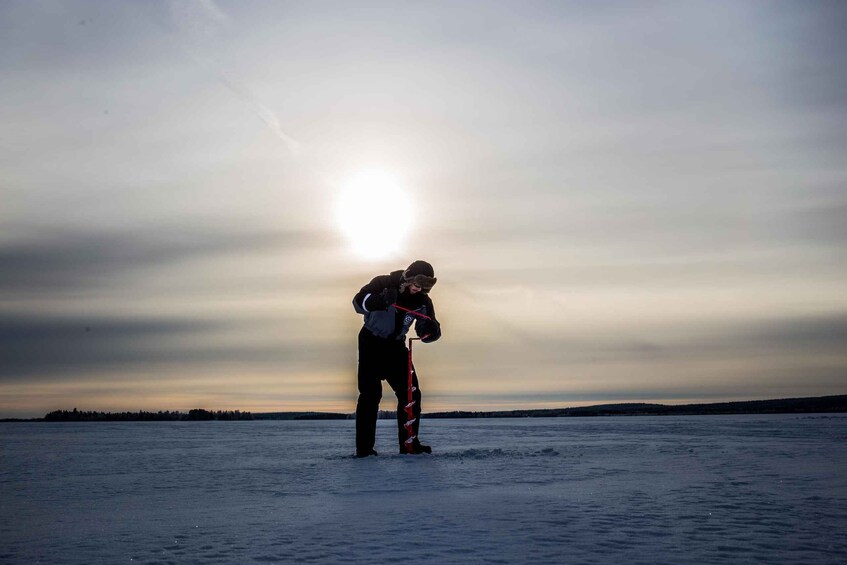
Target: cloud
{"type": "Point", "coordinates": [801, 337]}
{"type": "Point", "coordinates": [73, 259]}
{"type": "Point", "coordinates": [819, 78]}
{"type": "Point", "coordinates": [697, 358]}
{"type": "Point", "coordinates": [42, 345]}
{"type": "Point", "coordinates": [828, 332]}
{"type": "Point", "coordinates": [821, 224]}
{"type": "Point", "coordinates": [73, 347]}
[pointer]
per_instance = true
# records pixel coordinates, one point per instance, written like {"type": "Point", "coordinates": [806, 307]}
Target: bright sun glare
{"type": "Point", "coordinates": [374, 213]}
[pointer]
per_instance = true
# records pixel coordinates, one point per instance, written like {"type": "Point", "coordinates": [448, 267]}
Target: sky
{"type": "Point", "coordinates": [623, 202]}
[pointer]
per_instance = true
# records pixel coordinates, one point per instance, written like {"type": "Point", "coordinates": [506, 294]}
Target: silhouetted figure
{"type": "Point", "coordinates": [382, 348]}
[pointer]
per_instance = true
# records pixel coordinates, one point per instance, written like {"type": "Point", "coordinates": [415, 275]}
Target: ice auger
{"type": "Point", "coordinates": [410, 406]}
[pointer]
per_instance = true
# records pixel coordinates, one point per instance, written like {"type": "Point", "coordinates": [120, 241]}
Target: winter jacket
{"type": "Point", "coordinates": [385, 321]}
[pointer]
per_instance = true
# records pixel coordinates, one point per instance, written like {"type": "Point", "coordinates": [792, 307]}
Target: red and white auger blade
{"type": "Point", "coordinates": [410, 419]}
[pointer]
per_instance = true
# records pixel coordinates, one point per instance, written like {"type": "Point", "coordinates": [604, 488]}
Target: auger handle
{"type": "Point", "coordinates": [412, 312]}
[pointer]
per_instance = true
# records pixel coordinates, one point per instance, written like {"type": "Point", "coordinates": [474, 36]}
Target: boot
{"type": "Point", "coordinates": [417, 448]}
{"type": "Point", "coordinates": [361, 454]}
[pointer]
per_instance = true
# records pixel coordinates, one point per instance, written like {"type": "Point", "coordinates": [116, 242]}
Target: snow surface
{"type": "Point", "coordinates": [701, 489]}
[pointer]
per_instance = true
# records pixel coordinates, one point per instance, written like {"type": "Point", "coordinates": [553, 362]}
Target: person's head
{"type": "Point", "coordinates": [418, 277]}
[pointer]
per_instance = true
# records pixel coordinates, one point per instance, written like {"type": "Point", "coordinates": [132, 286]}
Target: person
{"type": "Point", "coordinates": [383, 354]}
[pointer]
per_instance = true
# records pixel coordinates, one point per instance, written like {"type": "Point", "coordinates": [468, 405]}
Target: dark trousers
{"type": "Point", "coordinates": [383, 359]}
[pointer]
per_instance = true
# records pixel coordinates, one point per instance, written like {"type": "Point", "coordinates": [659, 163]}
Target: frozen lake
{"type": "Point", "coordinates": [698, 489]}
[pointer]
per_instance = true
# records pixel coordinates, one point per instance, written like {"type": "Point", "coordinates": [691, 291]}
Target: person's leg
{"type": "Point", "coordinates": [370, 393]}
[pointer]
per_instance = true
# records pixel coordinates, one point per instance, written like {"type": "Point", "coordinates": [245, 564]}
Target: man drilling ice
{"type": "Point", "coordinates": [390, 305]}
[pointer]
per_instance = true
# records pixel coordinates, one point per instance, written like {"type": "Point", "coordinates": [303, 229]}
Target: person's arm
{"type": "Point", "coordinates": [428, 330]}
{"type": "Point", "coordinates": [376, 295]}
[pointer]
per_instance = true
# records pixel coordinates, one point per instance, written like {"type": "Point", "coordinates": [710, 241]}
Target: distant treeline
{"type": "Point", "coordinates": [382, 415]}
{"type": "Point", "coordinates": [820, 404]}
{"type": "Point", "coordinates": [782, 406]}
{"type": "Point", "coordinates": [301, 416]}
{"type": "Point", "coordinates": [141, 416]}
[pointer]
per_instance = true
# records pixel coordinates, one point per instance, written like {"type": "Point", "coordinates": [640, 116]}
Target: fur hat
{"type": "Point", "coordinates": [420, 273]}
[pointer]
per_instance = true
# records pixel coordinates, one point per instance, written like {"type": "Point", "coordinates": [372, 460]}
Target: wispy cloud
{"type": "Point", "coordinates": [201, 21]}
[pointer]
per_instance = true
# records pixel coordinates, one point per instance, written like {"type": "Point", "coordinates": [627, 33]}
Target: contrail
{"type": "Point", "coordinates": [263, 112]}
{"type": "Point", "coordinates": [201, 19]}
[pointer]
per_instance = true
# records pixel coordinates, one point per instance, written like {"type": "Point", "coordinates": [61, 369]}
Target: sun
{"type": "Point", "coordinates": [375, 214]}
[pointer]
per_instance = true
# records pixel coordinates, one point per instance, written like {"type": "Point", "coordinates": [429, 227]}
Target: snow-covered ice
{"type": "Point", "coordinates": [707, 489]}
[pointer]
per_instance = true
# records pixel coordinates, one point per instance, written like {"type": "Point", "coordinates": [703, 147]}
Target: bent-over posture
{"type": "Point", "coordinates": [383, 354]}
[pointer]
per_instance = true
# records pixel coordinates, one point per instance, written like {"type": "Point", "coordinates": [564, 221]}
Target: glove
{"type": "Point", "coordinates": [428, 329]}
{"type": "Point", "coordinates": [423, 327]}
{"type": "Point", "coordinates": [383, 300]}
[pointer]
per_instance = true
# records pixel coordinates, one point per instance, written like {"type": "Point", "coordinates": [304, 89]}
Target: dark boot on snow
{"type": "Point", "coordinates": [361, 454]}
{"type": "Point", "coordinates": [417, 449]}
